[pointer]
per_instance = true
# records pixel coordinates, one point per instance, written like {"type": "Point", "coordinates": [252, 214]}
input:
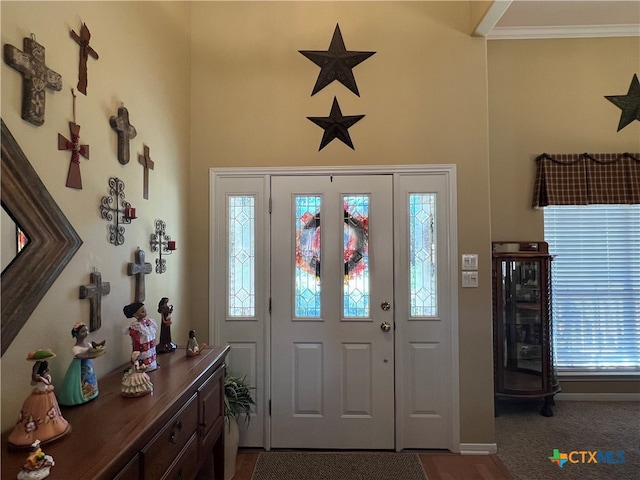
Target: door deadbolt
{"type": "Point", "coordinates": [385, 306]}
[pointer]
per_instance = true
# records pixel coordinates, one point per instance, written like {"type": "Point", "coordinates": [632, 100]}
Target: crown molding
{"type": "Point", "coordinates": [567, 31]}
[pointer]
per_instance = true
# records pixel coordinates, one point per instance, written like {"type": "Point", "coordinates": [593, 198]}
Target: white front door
{"type": "Point", "coordinates": [325, 366]}
{"type": "Point", "coordinates": [332, 317]}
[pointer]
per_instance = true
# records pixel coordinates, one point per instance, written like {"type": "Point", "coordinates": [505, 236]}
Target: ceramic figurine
{"type": "Point", "coordinates": [135, 382]}
{"type": "Point", "coordinates": [165, 310]}
{"type": "Point", "coordinates": [40, 417]}
{"type": "Point", "coordinates": [80, 383]}
{"type": "Point", "coordinates": [193, 348]}
{"type": "Point", "coordinates": [38, 464]}
{"type": "Point", "coordinates": [142, 331]}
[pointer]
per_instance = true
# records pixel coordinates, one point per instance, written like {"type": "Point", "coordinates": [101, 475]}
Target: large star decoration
{"type": "Point", "coordinates": [336, 63]}
{"type": "Point", "coordinates": [629, 103]}
{"type": "Point", "coordinates": [336, 126]}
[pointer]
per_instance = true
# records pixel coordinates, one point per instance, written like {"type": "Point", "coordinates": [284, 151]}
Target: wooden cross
{"type": "Point", "coordinates": [36, 76]}
{"type": "Point", "coordinates": [125, 131]}
{"type": "Point", "coordinates": [147, 163]}
{"type": "Point", "coordinates": [85, 51]}
{"type": "Point", "coordinates": [94, 292]}
{"type": "Point", "coordinates": [139, 269]}
{"type": "Point", "coordinates": [74, 180]}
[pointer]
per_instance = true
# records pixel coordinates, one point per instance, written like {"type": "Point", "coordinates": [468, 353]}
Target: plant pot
{"type": "Point", "coordinates": [231, 439]}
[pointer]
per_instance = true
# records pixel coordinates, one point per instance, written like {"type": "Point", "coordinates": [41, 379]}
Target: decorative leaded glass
{"type": "Point", "coordinates": [307, 271]}
{"type": "Point", "coordinates": [242, 256]}
{"type": "Point", "coordinates": [356, 256]}
{"type": "Point", "coordinates": [422, 255]}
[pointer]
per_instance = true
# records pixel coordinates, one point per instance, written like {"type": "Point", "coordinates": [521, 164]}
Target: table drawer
{"type": "Point", "coordinates": [185, 467]}
{"type": "Point", "coordinates": [167, 445]}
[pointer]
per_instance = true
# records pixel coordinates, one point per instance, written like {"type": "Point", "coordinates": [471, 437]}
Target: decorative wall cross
{"type": "Point", "coordinates": [85, 52]}
{"type": "Point", "coordinates": [147, 163]}
{"type": "Point", "coordinates": [94, 292]}
{"type": "Point", "coordinates": [125, 132]}
{"type": "Point", "coordinates": [74, 180]}
{"type": "Point", "coordinates": [111, 211]}
{"type": "Point", "coordinates": [140, 268]}
{"type": "Point", "coordinates": [36, 76]}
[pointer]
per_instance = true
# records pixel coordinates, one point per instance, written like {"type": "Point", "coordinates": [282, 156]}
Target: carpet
{"type": "Point", "coordinates": [526, 440]}
{"type": "Point", "coordinates": [338, 466]}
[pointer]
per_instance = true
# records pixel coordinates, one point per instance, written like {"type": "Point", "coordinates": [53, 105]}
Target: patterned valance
{"type": "Point", "coordinates": [584, 179]}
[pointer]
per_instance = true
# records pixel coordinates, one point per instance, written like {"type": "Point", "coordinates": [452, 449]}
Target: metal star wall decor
{"type": "Point", "coordinates": [336, 125]}
{"type": "Point", "coordinates": [336, 63]}
{"type": "Point", "coordinates": [629, 103]}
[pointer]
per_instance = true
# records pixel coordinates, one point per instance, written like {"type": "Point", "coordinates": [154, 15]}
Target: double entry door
{"type": "Point", "coordinates": [332, 318]}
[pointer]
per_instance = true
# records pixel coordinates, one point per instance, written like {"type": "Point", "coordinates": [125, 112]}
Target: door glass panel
{"type": "Point", "coordinates": [307, 271]}
{"type": "Point", "coordinates": [241, 256]}
{"type": "Point", "coordinates": [422, 252]}
{"type": "Point", "coordinates": [355, 249]}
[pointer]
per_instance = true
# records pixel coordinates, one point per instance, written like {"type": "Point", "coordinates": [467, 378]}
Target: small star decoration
{"type": "Point", "coordinates": [336, 125]}
{"type": "Point", "coordinates": [336, 63]}
{"type": "Point", "coordinates": [629, 103]}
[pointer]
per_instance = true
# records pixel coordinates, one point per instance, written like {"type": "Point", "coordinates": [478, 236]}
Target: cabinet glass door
{"type": "Point", "coordinates": [522, 325]}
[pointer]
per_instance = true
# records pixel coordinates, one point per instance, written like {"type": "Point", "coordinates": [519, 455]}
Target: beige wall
{"type": "Point", "coordinates": [547, 96]}
{"type": "Point", "coordinates": [424, 97]}
{"type": "Point", "coordinates": [144, 64]}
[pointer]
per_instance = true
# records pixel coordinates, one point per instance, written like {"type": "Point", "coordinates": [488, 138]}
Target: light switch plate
{"type": "Point", "coordinates": [469, 261]}
{"type": "Point", "coordinates": [469, 279]}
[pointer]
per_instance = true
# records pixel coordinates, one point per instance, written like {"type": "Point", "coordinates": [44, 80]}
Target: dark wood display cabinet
{"type": "Point", "coordinates": [522, 344]}
{"type": "Point", "coordinates": [176, 433]}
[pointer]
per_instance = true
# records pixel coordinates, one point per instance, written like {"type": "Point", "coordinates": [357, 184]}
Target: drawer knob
{"type": "Point", "coordinates": [176, 429]}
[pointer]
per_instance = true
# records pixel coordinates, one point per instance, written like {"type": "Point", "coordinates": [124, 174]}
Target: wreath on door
{"type": "Point", "coordinates": [356, 244]}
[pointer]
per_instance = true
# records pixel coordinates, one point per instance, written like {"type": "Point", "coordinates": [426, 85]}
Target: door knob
{"type": "Point", "coordinates": [385, 306]}
{"type": "Point", "coordinates": [385, 326]}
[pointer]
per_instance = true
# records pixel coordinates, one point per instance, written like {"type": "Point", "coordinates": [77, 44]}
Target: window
{"type": "Point", "coordinates": [595, 286]}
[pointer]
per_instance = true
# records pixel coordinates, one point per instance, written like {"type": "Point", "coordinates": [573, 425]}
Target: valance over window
{"type": "Point", "coordinates": [584, 179]}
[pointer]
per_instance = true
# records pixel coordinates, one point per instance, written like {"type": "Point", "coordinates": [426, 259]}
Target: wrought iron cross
{"type": "Point", "coordinates": [85, 52]}
{"type": "Point", "coordinates": [140, 268]}
{"type": "Point", "coordinates": [94, 292]}
{"type": "Point", "coordinates": [74, 180]}
{"type": "Point", "coordinates": [36, 76]}
{"type": "Point", "coordinates": [147, 164]}
{"type": "Point", "coordinates": [125, 132]}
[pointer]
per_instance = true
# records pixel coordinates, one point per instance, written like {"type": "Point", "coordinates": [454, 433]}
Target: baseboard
{"type": "Point", "coordinates": [599, 397]}
{"type": "Point", "coordinates": [478, 448]}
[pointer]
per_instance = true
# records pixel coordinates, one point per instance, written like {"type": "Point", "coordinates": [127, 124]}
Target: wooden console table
{"type": "Point", "coordinates": [175, 433]}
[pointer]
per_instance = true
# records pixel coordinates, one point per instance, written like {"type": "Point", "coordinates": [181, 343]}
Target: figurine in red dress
{"type": "Point", "coordinates": [142, 331]}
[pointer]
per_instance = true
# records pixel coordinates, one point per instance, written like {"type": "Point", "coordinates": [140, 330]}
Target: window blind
{"type": "Point", "coordinates": [595, 285]}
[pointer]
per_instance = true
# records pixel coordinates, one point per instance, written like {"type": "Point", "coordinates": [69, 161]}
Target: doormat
{"type": "Point", "coordinates": [338, 466]}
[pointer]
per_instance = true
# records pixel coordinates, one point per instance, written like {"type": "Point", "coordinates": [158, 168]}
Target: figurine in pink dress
{"type": "Point", "coordinates": [142, 331]}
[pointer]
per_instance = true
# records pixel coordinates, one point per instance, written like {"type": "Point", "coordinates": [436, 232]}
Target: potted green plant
{"type": "Point", "coordinates": [237, 403]}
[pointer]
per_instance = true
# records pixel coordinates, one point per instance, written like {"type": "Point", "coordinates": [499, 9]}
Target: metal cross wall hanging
{"type": "Point", "coordinates": [74, 180]}
{"type": "Point", "coordinates": [147, 164]}
{"type": "Point", "coordinates": [36, 77]}
{"type": "Point", "coordinates": [139, 268]}
{"type": "Point", "coordinates": [110, 211]}
{"type": "Point", "coordinates": [125, 132]}
{"type": "Point", "coordinates": [94, 292]}
{"type": "Point", "coordinates": [85, 52]}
